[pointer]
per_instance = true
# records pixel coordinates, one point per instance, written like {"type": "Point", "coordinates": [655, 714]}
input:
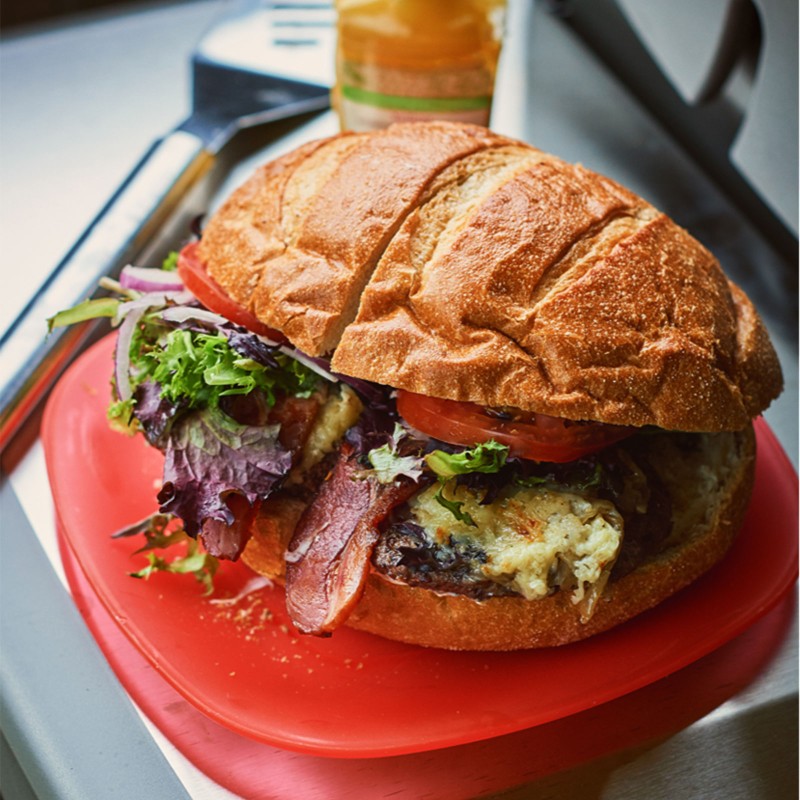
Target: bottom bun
{"type": "Point", "coordinates": [710, 487]}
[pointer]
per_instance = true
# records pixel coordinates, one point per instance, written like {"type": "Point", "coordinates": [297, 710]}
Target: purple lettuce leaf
{"type": "Point", "coordinates": [373, 429]}
{"type": "Point", "coordinates": [250, 346]}
{"type": "Point", "coordinates": [155, 413]}
{"type": "Point", "coordinates": [209, 456]}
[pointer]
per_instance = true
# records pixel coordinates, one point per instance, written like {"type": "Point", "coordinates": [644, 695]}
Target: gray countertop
{"type": "Point", "coordinates": [82, 100]}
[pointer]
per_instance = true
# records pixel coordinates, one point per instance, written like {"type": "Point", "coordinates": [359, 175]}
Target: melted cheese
{"type": "Point", "coordinates": [340, 412]}
{"type": "Point", "coordinates": [535, 540]}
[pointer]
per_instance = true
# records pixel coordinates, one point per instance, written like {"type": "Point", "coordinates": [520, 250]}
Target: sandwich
{"type": "Point", "coordinates": [446, 388]}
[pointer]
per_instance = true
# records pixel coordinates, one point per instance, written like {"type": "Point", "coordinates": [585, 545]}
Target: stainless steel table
{"type": "Point", "coordinates": [81, 100]}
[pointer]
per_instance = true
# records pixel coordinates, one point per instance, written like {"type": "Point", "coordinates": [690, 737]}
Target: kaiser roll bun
{"type": "Point", "coordinates": [453, 262]}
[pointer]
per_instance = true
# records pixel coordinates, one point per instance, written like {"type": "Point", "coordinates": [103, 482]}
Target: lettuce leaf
{"type": "Point", "coordinates": [487, 458]}
{"type": "Point", "coordinates": [209, 456]}
{"type": "Point", "coordinates": [170, 263]}
{"type": "Point", "coordinates": [88, 309]}
{"type": "Point", "coordinates": [195, 562]}
{"type": "Point", "coordinates": [388, 464]}
{"type": "Point", "coordinates": [161, 533]}
{"type": "Point", "coordinates": [203, 367]}
{"type": "Point", "coordinates": [178, 370]}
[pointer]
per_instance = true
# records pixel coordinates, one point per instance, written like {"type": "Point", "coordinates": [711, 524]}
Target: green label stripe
{"type": "Point", "coordinates": [399, 103]}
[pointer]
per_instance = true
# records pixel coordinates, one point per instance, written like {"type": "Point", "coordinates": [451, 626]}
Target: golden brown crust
{"type": "Point", "coordinates": [272, 531]}
{"type": "Point", "coordinates": [247, 231]}
{"type": "Point", "coordinates": [620, 316]}
{"type": "Point", "coordinates": [457, 263]}
{"type": "Point", "coordinates": [421, 616]}
{"type": "Point", "coordinates": [312, 225]}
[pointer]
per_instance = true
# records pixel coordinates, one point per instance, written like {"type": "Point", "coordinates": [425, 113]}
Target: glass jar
{"type": "Point", "coordinates": [401, 60]}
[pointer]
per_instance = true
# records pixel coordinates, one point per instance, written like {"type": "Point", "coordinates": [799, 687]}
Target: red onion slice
{"type": "Point", "coordinates": [122, 354]}
{"type": "Point", "coordinates": [148, 279]}
{"type": "Point", "coordinates": [183, 313]}
{"type": "Point", "coordinates": [152, 300]}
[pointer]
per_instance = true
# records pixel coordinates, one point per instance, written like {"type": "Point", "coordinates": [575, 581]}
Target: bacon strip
{"type": "Point", "coordinates": [329, 556]}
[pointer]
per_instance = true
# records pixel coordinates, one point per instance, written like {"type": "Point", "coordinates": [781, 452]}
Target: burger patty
{"type": "Point", "coordinates": [405, 553]}
{"type": "Point", "coordinates": [458, 564]}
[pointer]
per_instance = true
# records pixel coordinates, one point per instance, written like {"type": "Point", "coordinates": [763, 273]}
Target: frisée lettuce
{"type": "Point", "coordinates": [178, 369]}
{"type": "Point", "coordinates": [161, 534]}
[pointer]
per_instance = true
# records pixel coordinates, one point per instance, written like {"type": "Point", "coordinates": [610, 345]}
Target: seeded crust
{"type": "Point", "coordinates": [453, 262]}
{"type": "Point", "coordinates": [711, 493]}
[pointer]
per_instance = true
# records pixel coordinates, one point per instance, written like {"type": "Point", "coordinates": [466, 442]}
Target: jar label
{"type": "Point", "coordinates": [372, 96]}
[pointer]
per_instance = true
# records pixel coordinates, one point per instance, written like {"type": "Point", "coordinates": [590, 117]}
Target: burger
{"type": "Point", "coordinates": [446, 388]}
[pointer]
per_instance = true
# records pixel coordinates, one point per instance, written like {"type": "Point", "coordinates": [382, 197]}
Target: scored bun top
{"type": "Point", "coordinates": [450, 261]}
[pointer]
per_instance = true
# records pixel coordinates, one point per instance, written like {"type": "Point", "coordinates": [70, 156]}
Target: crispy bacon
{"type": "Point", "coordinates": [329, 556]}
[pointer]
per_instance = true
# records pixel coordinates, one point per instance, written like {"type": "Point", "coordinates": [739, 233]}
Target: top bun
{"type": "Point", "coordinates": [453, 262]}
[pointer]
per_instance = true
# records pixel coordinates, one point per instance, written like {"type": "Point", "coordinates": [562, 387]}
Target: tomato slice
{"type": "Point", "coordinates": [537, 437]}
{"type": "Point", "coordinates": [213, 297]}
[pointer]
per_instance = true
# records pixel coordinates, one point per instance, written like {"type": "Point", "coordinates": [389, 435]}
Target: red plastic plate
{"type": "Point", "coordinates": [258, 771]}
{"type": "Point", "coordinates": [357, 695]}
